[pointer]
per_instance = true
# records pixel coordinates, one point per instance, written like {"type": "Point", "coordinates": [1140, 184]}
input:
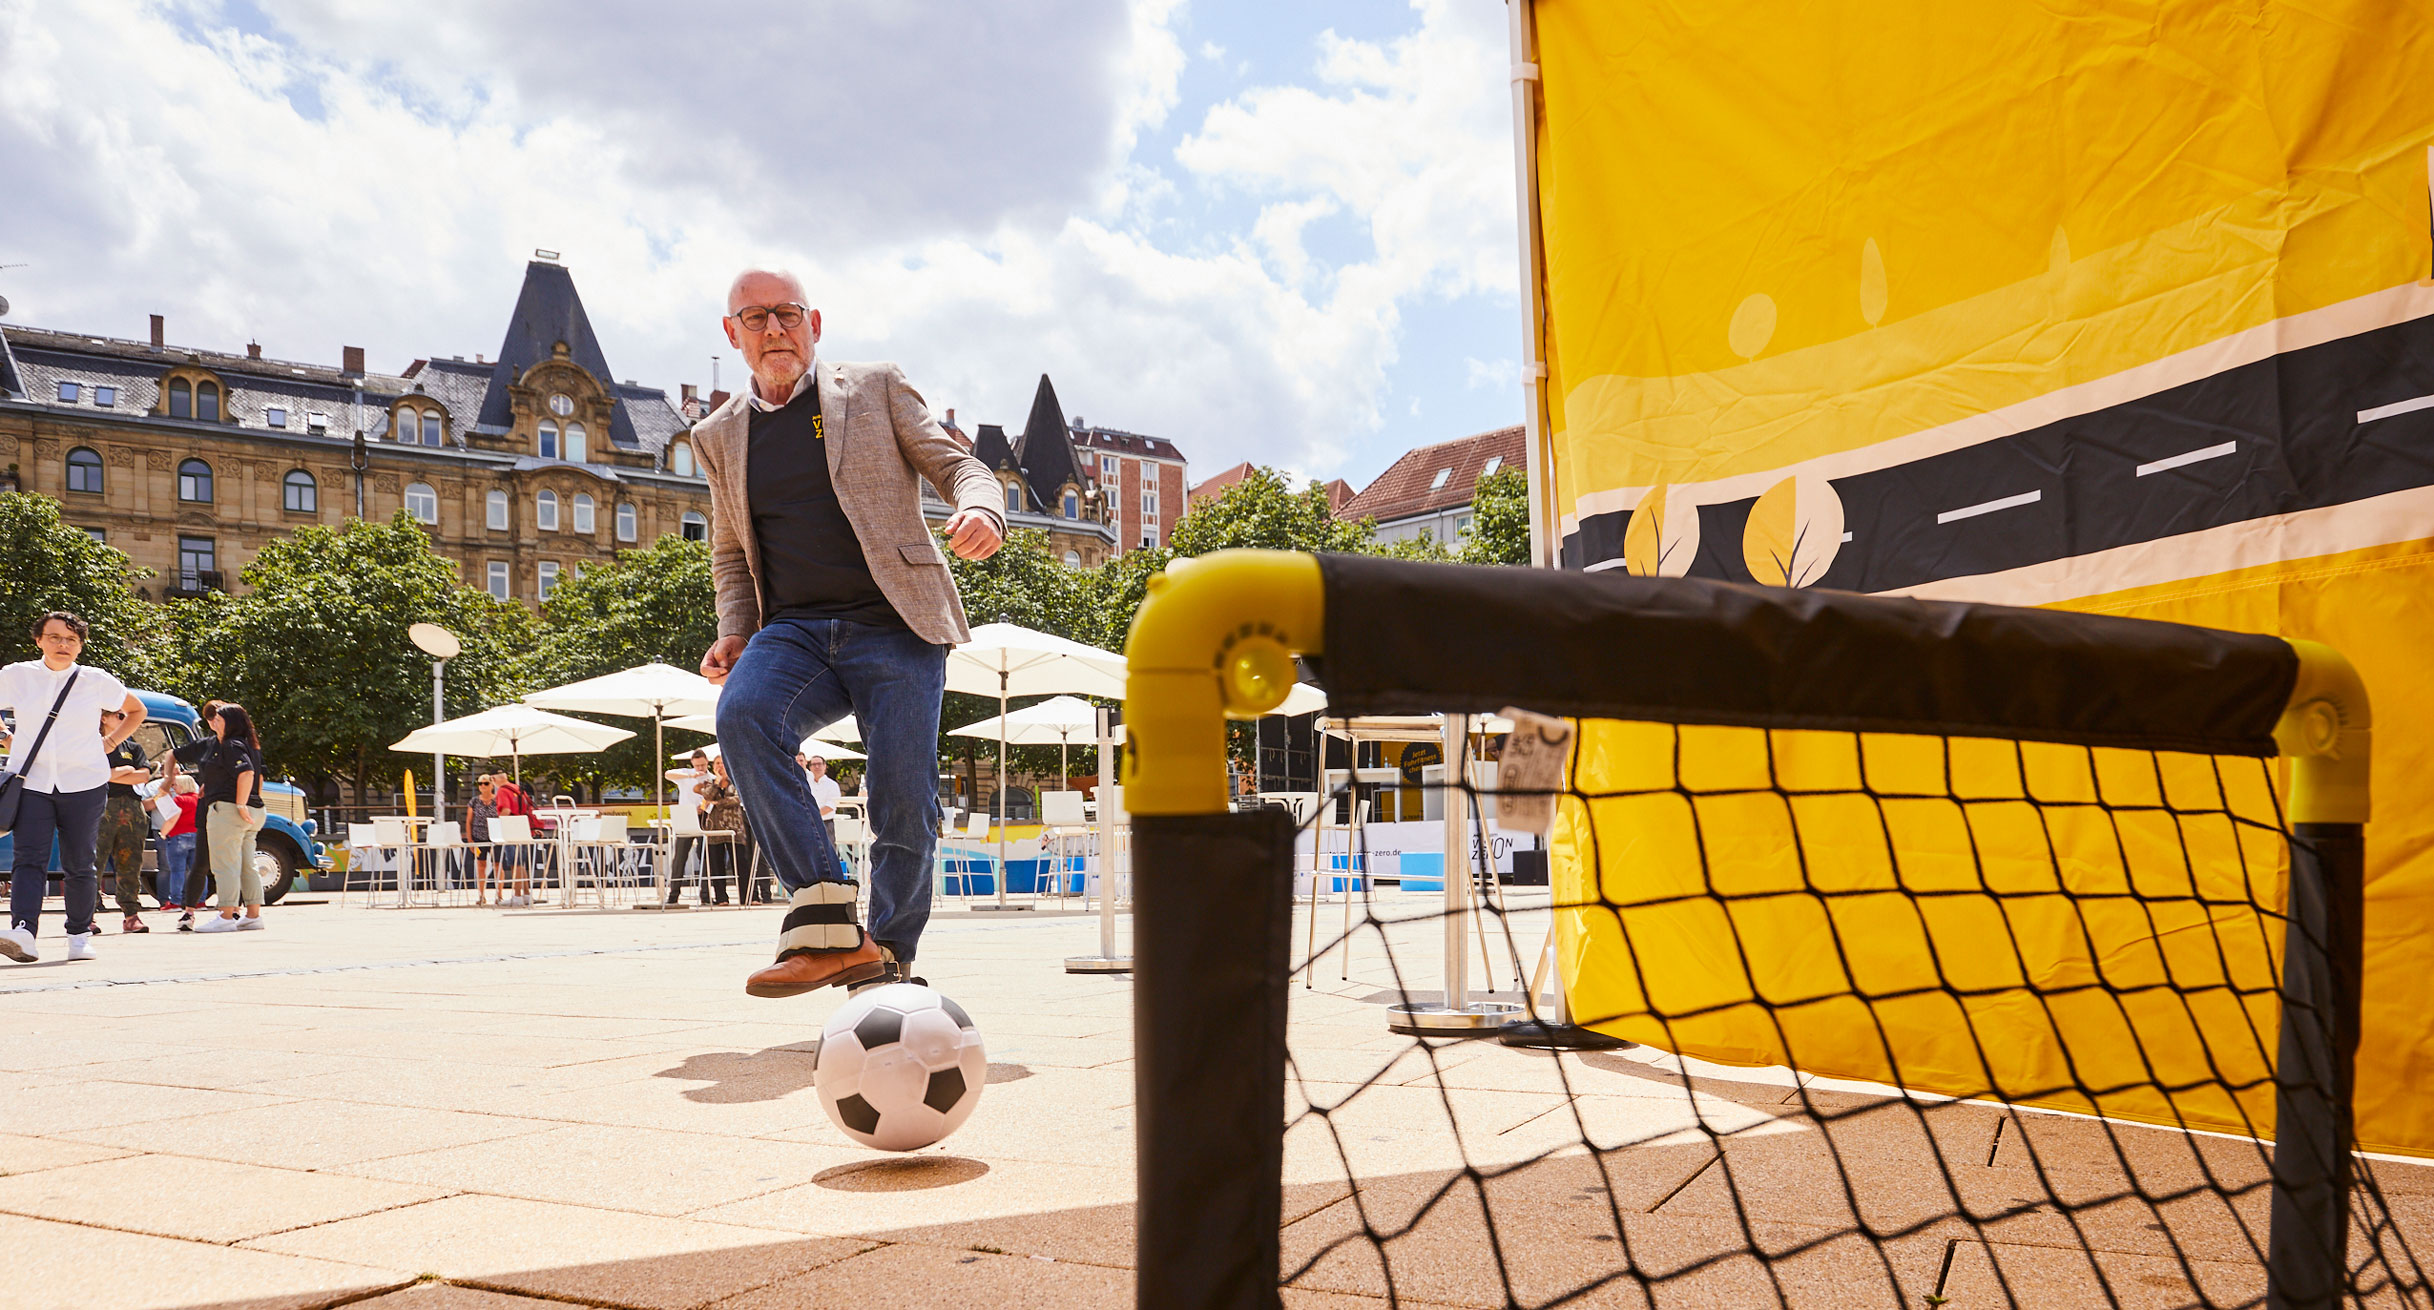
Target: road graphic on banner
{"type": "Point", "coordinates": [2312, 428]}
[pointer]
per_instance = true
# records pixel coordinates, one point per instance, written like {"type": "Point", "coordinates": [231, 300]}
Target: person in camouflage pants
{"type": "Point", "coordinates": [124, 825]}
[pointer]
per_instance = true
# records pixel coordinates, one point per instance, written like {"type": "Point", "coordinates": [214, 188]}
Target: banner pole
{"type": "Point", "coordinates": [1546, 540]}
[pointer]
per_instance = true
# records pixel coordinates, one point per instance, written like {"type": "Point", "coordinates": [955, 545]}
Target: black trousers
{"type": "Point", "coordinates": [74, 818]}
{"type": "Point", "coordinates": [715, 861]}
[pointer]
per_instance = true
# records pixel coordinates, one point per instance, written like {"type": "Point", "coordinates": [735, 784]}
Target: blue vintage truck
{"type": "Point", "coordinates": [284, 851]}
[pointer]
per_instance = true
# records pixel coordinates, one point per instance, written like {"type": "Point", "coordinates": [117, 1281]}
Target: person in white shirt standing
{"type": "Point", "coordinates": [66, 782]}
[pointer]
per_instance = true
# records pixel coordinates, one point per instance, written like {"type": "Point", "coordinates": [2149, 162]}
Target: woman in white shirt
{"type": "Point", "coordinates": [66, 781]}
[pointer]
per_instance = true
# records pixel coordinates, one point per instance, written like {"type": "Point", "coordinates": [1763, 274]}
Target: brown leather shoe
{"type": "Point", "coordinates": [797, 974]}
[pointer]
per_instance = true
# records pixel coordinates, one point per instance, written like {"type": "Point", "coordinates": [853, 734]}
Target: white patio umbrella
{"type": "Point", "coordinates": [844, 729]}
{"type": "Point", "coordinates": [648, 690]}
{"type": "Point", "coordinates": [1006, 660]}
{"type": "Point", "coordinates": [514, 731]}
{"type": "Point", "coordinates": [1303, 699]}
{"type": "Point", "coordinates": [1056, 719]}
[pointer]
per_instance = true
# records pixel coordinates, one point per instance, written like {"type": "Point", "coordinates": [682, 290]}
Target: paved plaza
{"type": "Point", "coordinates": [474, 1110]}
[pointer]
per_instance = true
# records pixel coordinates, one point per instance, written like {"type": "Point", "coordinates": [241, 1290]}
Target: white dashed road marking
{"type": "Point", "coordinates": [2396, 407]}
{"type": "Point", "coordinates": [1989, 507]}
{"type": "Point", "coordinates": [2187, 458]}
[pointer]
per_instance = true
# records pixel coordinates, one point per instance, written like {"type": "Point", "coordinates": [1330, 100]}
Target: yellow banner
{"type": "Point", "coordinates": [2101, 305]}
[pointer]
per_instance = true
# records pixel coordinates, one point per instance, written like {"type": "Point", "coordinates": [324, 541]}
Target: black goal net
{"type": "Point", "coordinates": [1852, 952]}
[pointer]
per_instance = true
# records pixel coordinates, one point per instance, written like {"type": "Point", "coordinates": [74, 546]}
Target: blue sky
{"type": "Point", "coordinates": [1268, 231]}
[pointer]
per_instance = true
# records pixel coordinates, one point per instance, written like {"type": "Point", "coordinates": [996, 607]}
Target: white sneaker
{"type": "Point", "coordinates": [18, 944]}
{"type": "Point", "coordinates": [253, 924]}
{"type": "Point", "coordinates": [219, 923]}
{"type": "Point", "coordinates": [80, 945]}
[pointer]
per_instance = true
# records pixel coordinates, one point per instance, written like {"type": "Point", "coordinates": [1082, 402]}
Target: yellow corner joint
{"type": "Point", "coordinates": [2326, 730]}
{"type": "Point", "coordinates": [1216, 639]}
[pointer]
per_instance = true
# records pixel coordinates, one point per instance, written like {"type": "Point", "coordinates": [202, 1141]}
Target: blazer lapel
{"type": "Point", "coordinates": [833, 404]}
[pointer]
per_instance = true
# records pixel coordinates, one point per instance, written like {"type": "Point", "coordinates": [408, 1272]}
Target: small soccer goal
{"type": "Point", "coordinates": [1890, 952]}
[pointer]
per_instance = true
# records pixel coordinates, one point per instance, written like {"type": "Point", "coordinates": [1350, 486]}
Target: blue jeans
{"type": "Point", "coordinates": [74, 817]}
{"type": "Point", "coordinates": [177, 859]}
{"type": "Point", "coordinates": [799, 675]}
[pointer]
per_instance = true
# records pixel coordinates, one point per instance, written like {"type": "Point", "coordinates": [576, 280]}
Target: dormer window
{"type": "Point", "coordinates": [680, 459]}
{"type": "Point", "coordinates": [549, 440]}
{"type": "Point", "coordinates": [1073, 504]}
{"type": "Point", "coordinates": [562, 405]}
{"type": "Point", "coordinates": [274, 417]}
{"type": "Point", "coordinates": [574, 442]}
{"type": "Point", "coordinates": [207, 402]}
{"type": "Point", "coordinates": [1014, 499]}
{"type": "Point", "coordinates": [1494, 462]}
{"type": "Point", "coordinates": [181, 398]}
{"type": "Point", "coordinates": [1439, 483]}
{"type": "Point", "coordinates": [68, 392]}
{"type": "Point", "coordinates": [105, 396]}
{"type": "Point", "coordinates": [430, 427]}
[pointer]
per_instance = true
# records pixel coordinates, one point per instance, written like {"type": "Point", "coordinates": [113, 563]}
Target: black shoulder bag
{"type": "Point", "coordinates": [12, 781]}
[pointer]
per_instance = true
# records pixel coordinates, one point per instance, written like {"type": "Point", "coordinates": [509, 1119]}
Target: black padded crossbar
{"type": "Point", "coordinates": [1406, 638]}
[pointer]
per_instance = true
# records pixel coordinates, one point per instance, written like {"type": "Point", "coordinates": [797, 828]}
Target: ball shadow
{"type": "Point", "coordinates": [912, 1174]}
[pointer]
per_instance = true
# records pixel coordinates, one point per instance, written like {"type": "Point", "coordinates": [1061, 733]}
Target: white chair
{"type": "Point", "coordinates": [1062, 818]}
{"type": "Point", "coordinates": [363, 845]}
{"type": "Point", "coordinates": [597, 842]}
{"type": "Point", "coordinates": [443, 842]}
{"type": "Point", "coordinates": [394, 836]}
{"type": "Point", "coordinates": [513, 832]}
{"type": "Point", "coordinates": [964, 849]}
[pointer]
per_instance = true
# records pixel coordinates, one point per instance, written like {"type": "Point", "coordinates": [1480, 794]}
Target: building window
{"type": "Point", "coordinates": [549, 441]}
{"type": "Point", "coordinates": [495, 511]}
{"type": "Point", "coordinates": [1149, 504]}
{"type": "Point", "coordinates": [275, 417]}
{"type": "Point", "coordinates": [300, 493]}
{"type": "Point", "coordinates": [584, 523]}
{"type": "Point", "coordinates": [680, 459]}
{"type": "Point", "coordinates": [84, 470]}
{"type": "Point", "coordinates": [1073, 505]}
{"type": "Point", "coordinates": [430, 427]}
{"type": "Point", "coordinates": [561, 405]}
{"type": "Point", "coordinates": [98, 534]}
{"type": "Point", "coordinates": [627, 521]}
{"type": "Point", "coordinates": [695, 527]}
{"type": "Point", "coordinates": [498, 580]}
{"type": "Point", "coordinates": [1014, 499]}
{"type": "Point", "coordinates": [1442, 475]}
{"type": "Point", "coordinates": [545, 511]}
{"type": "Point", "coordinates": [422, 502]}
{"type": "Point", "coordinates": [1107, 466]}
{"type": "Point", "coordinates": [1073, 559]}
{"type": "Point", "coordinates": [574, 442]}
{"type": "Point", "coordinates": [105, 396]}
{"type": "Point", "coordinates": [194, 482]}
{"type": "Point", "coordinates": [196, 557]}
{"type": "Point", "coordinates": [207, 402]}
{"type": "Point", "coordinates": [67, 393]}
{"type": "Point", "coordinates": [1149, 536]}
{"type": "Point", "coordinates": [1494, 462]}
{"type": "Point", "coordinates": [181, 399]}
{"type": "Point", "coordinates": [316, 421]}
{"type": "Point", "coordinates": [549, 578]}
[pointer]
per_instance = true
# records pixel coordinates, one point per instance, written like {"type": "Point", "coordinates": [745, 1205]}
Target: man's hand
{"type": "Point", "coordinates": [972, 534]}
{"type": "Point", "coordinates": [721, 658]}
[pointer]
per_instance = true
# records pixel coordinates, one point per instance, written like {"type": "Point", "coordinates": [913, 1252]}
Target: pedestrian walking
{"type": "Point", "coordinates": [61, 760]}
{"type": "Point", "coordinates": [808, 461]}
{"type": "Point", "coordinates": [689, 782]}
{"type": "Point", "coordinates": [231, 764]}
{"type": "Point", "coordinates": [125, 822]}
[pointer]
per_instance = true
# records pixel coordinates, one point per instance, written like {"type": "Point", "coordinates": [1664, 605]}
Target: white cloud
{"type": "Point", "coordinates": [1496, 374]}
{"type": "Point", "coordinates": [967, 190]}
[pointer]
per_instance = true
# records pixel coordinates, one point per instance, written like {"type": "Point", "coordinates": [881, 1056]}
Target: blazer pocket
{"type": "Point", "coordinates": [925, 552]}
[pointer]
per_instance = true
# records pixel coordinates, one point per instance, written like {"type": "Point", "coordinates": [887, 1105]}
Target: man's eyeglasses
{"type": "Point", "coordinates": [754, 318]}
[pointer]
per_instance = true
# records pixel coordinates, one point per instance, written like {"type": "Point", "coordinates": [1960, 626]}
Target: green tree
{"type": "Point", "coordinates": [1500, 520]}
{"type": "Point", "coordinates": [49, 564]}
{"type": "Point", "coordinates": [316, 648]}
{"type": "Point", "coordinates": [1024, 583]}
{"type": "Point", "coordinates": [654, 604]}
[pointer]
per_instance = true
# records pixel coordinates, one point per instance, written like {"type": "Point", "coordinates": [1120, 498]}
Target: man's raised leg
{"type": "Point", "coordinates": [780, 689]}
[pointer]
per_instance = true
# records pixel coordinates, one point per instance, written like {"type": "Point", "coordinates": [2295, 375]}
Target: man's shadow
{"type": "Point", "coordinates": [735, 1077]}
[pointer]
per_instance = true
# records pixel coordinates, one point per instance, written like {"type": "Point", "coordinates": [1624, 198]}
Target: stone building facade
{"type": "Point", "coordinates": [189, 460]}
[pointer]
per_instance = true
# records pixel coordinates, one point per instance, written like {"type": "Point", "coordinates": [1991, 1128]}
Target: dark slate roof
{"type": "Point", "coordinates": [547, 312]}
{"type": "Point", "coordinates": [1046, 454]}
{"type": "Point", "coordinates": [1121, 442]}
{"type": "Point", "coordinates": [11, 384]}
{"type": "Point", "coordinates": [992, 450]}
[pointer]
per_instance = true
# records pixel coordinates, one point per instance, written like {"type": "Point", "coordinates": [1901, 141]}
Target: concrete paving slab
{"type": "Point", "coordinates": [202, 1200]}
{"type": "Point", "coordinates": [1064, 1211]}
{"type": "Point", "coordinates": [568, 1253]}
{"type": "Point", "coordinates": [55, 1266]}
{"type": "Point", "coordinates": [650, 1171]}
{"type": "Point", "coordinates": [325, 1135]}
{"type": "Point", "coordinates": [24, 1155]}
{"type": "Point", "coordinates": [912, 1277]}
{"type": "Point", "coordinates": [102, 1104]}
{"type": "Point", "coordinates": [448, 1296]}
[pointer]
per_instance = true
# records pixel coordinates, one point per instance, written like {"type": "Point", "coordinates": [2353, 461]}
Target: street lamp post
{"type": "Point", "coordinates": [442, 646]}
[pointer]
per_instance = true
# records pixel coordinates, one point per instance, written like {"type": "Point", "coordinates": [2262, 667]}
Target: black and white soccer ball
{"type": "Point", "coordinates": [899, 1067]}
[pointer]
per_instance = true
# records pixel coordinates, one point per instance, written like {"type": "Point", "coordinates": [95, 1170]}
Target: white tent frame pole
{"type": "Point", "coordinates": [1001, 786]}
{"type": "Point", "coordinates": [1107, 851]}
{"type": "Point", "coordinates": [1546, 542]}
{"type": "Point", "coordinates": [439, 758]}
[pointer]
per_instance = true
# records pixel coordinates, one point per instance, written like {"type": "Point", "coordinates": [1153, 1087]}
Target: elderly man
{"type": "Point", "coordinates": [833, 599]}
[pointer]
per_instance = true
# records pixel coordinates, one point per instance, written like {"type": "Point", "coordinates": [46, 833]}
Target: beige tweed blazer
{"type": "Point", "coordinates": [881, 441]}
